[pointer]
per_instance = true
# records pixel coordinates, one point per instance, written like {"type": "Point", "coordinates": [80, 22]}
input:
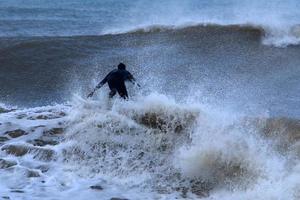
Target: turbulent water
{"type": "Point", "coordinates": [217, 116]}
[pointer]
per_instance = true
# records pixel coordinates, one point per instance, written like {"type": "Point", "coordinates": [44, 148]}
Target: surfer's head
{"type": "Point", "coordinates": [121, 66]}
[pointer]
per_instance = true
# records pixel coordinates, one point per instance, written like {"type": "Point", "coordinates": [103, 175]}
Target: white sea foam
{"type": "Point", "coordinates": [150, 147]}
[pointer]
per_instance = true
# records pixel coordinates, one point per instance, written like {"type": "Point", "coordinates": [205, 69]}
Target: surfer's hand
{"type": "Point", "coordinates": [90, 95]}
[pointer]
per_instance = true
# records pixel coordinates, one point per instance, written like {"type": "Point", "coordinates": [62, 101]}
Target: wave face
{"type": "Point", "coordinates": [226, 66]}
{"type": "Point", "coordinates": [31, 18]}
{"type": "Point", "coordinates": [150, 148]}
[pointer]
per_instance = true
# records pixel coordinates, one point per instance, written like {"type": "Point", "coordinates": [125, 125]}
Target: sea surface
{"type": "Point", "coordinates": [217, 116]}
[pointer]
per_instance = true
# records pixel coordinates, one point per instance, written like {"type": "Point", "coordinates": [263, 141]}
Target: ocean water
{"type": "Point", "coordinates": [217, 116]}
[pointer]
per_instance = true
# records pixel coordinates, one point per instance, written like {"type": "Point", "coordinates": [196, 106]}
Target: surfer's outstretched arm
{"type": "Point", "coordinates": [133, 80]}
{"type": "Point", "coordinates": [99, 86]}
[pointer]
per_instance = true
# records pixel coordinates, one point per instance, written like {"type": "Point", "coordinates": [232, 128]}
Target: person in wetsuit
{"type": "Point", "coordinates": [116, 82]}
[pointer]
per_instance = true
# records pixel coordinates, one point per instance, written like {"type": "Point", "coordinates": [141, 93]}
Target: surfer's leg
{"type": "Point", "coordinates": [123, 92]}
{"type": "Point", "coordinates": [112, 93]}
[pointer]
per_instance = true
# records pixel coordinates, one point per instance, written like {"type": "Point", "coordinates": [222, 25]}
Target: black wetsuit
{"type": "Point", "coordinates": [116, 82]}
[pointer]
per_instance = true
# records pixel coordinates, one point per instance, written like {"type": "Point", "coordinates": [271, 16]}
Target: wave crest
{"type": "Point", "coordinates": [271, 35]}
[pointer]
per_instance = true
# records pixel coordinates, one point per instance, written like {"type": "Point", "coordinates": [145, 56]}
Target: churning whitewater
{"type": "Point", "coordinates": [150, 148]}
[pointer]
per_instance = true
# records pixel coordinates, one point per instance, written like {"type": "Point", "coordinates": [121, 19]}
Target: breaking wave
{"type": "Point", "coordinates": [151, 146]}
{"type": "Point", "coordinates": [280, 19]}
{"type": "Point", "coordinates": [275, 36]}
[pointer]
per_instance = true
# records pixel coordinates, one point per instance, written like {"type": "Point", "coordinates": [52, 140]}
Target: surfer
{"type": "Point", "coordinates": [116, 82]}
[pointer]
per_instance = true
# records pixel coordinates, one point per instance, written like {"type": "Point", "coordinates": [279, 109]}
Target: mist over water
{"type": "Point", "coordinates": [217, 116]}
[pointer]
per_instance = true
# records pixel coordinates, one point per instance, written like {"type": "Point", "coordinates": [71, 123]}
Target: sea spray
{"type": "Point", "coordinates": [222, 157]}
{"type": "Point", "coordinates": [150, 147]}
{"type": "Point", "coordinates": [132, 137]}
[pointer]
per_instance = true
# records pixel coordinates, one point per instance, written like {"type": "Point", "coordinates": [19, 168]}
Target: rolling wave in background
{"type": "Point", "coordinates": [279, 19]}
